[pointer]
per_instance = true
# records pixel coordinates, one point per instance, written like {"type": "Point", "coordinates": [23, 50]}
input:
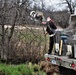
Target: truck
{"type": "Point", "coordinates": [64, 50]}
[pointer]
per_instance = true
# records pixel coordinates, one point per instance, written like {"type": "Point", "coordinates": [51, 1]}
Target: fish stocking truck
{"type": "Point", "coordinates": [64, 49]}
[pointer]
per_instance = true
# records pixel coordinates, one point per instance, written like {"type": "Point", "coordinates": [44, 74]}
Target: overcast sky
{"type": "Point", "coordinates": [53, 1]}
{"type": "Point", "coordinates": [55, 4]}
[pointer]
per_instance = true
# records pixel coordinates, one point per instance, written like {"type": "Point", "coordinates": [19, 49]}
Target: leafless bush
{"type": "Point", "coordinates": [27, 46]}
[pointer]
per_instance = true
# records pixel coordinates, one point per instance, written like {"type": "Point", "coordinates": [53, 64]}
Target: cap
{"type": "Point", "coordinates": [32, 13]}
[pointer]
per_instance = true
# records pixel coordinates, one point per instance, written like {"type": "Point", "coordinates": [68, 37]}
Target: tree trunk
{"type": "Point", "coordinates": [3, 51]}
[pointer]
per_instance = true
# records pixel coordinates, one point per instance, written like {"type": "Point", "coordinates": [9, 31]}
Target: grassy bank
{"type": "Point", "coordinates": [22, 69]}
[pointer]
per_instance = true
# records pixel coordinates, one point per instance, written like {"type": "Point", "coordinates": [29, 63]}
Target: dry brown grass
{"type": "Point", "coordinates": [49, 68]}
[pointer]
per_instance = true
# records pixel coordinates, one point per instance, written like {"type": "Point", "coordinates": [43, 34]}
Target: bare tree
{"type": "Point", "coordinates": [12, 12]}
{"type": "Point", "coordinates": [71, 4]}
{"type": "Point", "coordinates": [3, 16]}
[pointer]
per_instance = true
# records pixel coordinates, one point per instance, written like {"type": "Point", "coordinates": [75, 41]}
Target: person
{"type": "Point", "coordinates": [50, 29]}
{"type": "Point", "coordinates": [37, 15]}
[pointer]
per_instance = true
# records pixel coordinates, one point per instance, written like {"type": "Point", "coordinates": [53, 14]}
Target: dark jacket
{"type": "Point", "coordinates": [50, 27]}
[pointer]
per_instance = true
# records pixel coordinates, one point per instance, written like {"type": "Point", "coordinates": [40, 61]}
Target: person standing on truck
{"type": "Point", "coordinates": [50, 29]}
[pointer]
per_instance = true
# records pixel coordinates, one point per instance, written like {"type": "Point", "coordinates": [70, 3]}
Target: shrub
{"type": "Point", "coordinates": [27, 46]}
{"type": "Point", "coordinates": [22, 69]}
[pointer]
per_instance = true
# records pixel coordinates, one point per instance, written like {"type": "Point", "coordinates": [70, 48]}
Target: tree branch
{"type": "Point", "coordinates": [12, 28]}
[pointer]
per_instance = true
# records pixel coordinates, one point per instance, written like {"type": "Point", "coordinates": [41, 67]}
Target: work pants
{"type": "Point", "coordinates": [51, 43]}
